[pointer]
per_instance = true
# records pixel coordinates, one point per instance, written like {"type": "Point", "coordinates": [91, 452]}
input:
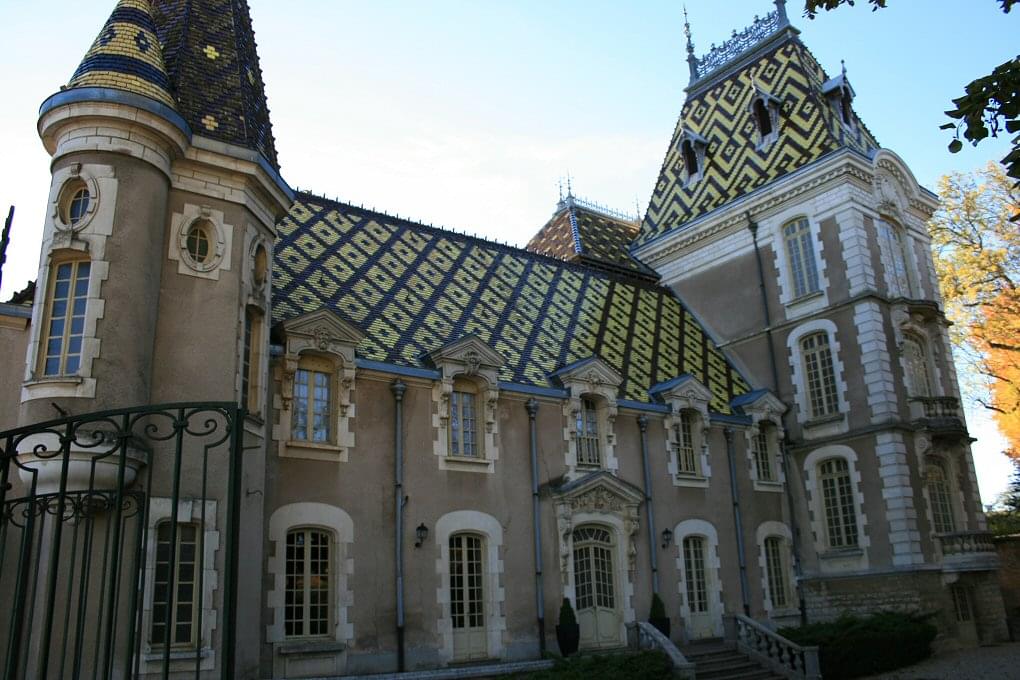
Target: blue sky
{"type": "Point", "coordinates": [466, 114]}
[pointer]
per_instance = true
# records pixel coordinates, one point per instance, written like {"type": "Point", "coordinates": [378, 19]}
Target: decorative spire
{"type": "Point", "coordinates": [842, 65]}
{"type": "Point", "coordinates": [781, 12]}
{"type": "Point", "coordinates": [126, 55]}
{"type": "Point", "coordinates": [692, 61]}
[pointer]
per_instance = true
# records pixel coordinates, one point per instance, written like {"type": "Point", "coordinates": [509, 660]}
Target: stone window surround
{"type": "Point", "coordinates": [836, 560]}
{"type": "Point", "coordinates": [693, 397]}
{"type": "Point", "coordinates": [87, 237]}
{"type": "Point", "coordinates": [487, 526]}
{"type": "Point", "coordinates": [912, 326]}
{"type": "Point", "coordinates": [768, 409]}
{"type": "Point", "coordinates": [705, 529]}
{"type": "Point", "coordinates": [951, 465]}
{"type": "Point", "coordinates": [829, 425]}
{"type": "Point", "coordinates": [774, 529]}
{"type": "Point", "coordinates": [468, 358]}
{"type": "Point", "coordinates": [182, 659]}
{"type": "Point", "coordinates": [772, 106]}
{"type": "Point", "coordinates": [773, 225]}
{"type": "Point", "coordinates": [700, 146]}
{"type": "Point", "coordinates": [325, 335]}
{"type": "Point", "coordinates": [221, 242]}
{"type": "Point", "coordinates": [590, 379]}
{"type": "Point", "coordinates": [341, 527]}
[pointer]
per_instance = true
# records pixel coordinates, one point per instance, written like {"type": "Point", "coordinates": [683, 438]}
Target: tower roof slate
{"type": "Point", "coordinates": [213, 67]}
{"type": "Point", "coordinates": [718, 109]}
{"type": "Point", "coordinates": [126, 55]}
{"type": "Point", "coordinates": [413, 288]}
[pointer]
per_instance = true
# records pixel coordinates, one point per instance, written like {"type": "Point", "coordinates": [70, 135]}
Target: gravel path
{"type": "Point", "coordinates": [1001, 662]}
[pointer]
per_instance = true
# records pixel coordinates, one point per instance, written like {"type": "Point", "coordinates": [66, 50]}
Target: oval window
{"type": "Point", "coordinates": [199, 242]}
{"type": "Point", "coordinates": [75, 202]}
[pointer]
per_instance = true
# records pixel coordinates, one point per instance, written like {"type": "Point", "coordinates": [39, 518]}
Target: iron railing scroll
{"type": "Point", "coordinates": [83, 569]}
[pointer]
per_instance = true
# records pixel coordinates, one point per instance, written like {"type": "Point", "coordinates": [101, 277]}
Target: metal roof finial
{"type": "Point", "coordinates": [570, 190]}
{"type": "Point", "coordinates": [692, 61]}
{"type": "Point", "coordinates": [842, 64]}
{"type": "Point", "coordinates": [781, 12]}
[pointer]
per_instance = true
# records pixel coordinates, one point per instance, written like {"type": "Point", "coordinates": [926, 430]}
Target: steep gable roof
{"type": "Point", "coordinates": [213, 67]}
{"type": "Point", "coordinates": [769, 58]}
{"type": "Point", "coordinates": [414, 289]}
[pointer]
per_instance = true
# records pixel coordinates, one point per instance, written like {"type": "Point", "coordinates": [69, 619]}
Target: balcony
{"type": "Point", "coordinates": [968, 551]}
{"type": "Point", "coordinates": [939, 415]}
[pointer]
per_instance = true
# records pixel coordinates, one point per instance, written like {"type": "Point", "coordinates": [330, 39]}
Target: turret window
{"type": "Point", "coordinates": [917, 368]}
{"type": "Point", "coordinates": [838, 503]}
{"type": "Point", "coordinates": [65, 318]}
{"type": "Point", "coordinates": [941, 505]}
{"type": "Point", "coordinates": [899, 273]}
{"type": "Point", "coordinates": [801, 253]}
{"type": "Point", "coordinates": [79, 206]}
{"type": "Point", "coordinates": [200, 242]}
{"type": "Point", "coordinates": [821, 378]}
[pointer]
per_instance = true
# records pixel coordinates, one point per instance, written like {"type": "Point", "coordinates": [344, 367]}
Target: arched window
{"type": "Point", "coordinates": [763, 118]}
{"type": "Point", "coordinates": [464, 419]}
{"type": "Point", "coordinates": [308, 596]}
{"type": "Point", "coordinates": [313, 399]}
{"type": "Point", "coordinates": [918, 376]}
{"type": "Point", "coordinates": [938, 492]}
{"type": "Point", "coordinates": [64, 327]}
{"type": "Point", "coordinates": [777, 569]}
{"type": "Point", "coordinates": [690, 156]}
{"type": "Point", "coordinates": [820, 375]}
{"type": "Point", "coordinates": [838, 503]}
{"type": "Point", "coordinates": [589, 446]}
{"type": "Point", "coordinates": [175, 585]}
{"type": "Point", "coordinates": [899, 275]}
{"type": "Point", "coordinates": [686, 453]}
{"type": "Point", "coordinates": [801, 254]}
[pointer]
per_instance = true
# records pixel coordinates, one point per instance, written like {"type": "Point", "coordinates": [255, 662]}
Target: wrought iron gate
{"type": "Point", "coordinates": [119, 536]}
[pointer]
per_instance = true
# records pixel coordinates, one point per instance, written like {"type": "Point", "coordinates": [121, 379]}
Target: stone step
{"type": "Point", "coordinates": [726, 667]}
{"type": "Point", "coordinates": [759, 674]}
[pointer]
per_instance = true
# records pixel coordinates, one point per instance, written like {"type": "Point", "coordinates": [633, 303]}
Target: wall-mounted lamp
{"type": "Point", "coordinates": [667, 538]}
{"type": "Point", "coordinates": [421, 533]}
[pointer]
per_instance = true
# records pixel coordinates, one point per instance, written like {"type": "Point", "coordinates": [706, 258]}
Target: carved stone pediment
{"type": "Point", "coordinates": [324, 331]}
{"type": "Point", "coordinates": [590, 375]}
{"type": "Point", "coordinates": [468, 356]}
{"type": "Point", "coordinates": [762, 405]}
{"type": "Point", "coordinates": [684, 392]}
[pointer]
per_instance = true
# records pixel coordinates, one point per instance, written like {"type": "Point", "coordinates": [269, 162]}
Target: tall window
{"type": "Point", "coordinates": [588, 444]}
{"type": "Point", "coordinates": [686, 455]}
{"type": "Point", "coordinates": [690, 156]}
{"type": "Point", "coordinates": [763, 458]}
{"type": "Point", "coordinates": [251, 359]}
{"type": "Point", "coordinates": [801, 253]}
{"type": "Point", "coordinates": [819, 375]}
{"type": "Point", "coordinates": [763, 118]}
{"type": "Point", "coordinates": [776, 571]}
{"type": "Point", "coordinates": [917, 368]}
{"type": "Point", "coordinates": [65, 318]}
{"type": "Point", "coordinates": [900, 274]}
{"type": "Point", "coordinates": [838, 502]}
{"type": "Point", "coordinates": [694, 574]}
{"type": "Point", "coordinates": [938, 492]}
{"type": "Point", "coordinates": [466, 590]}
{"type": "Point", "coordinates": [175, 623]}
{"type": "Point", "coordinates": [593, 568]}
{"type": "Point", "coordinates": [464, 420]}
{"type": "Point", "coordinates": [308, 593]}
{"type": "Point", "coordinates": [312, 400]}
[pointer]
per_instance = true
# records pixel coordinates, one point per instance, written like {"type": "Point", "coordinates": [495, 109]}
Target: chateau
{"type": "Point", "coordinates": [252, 432]}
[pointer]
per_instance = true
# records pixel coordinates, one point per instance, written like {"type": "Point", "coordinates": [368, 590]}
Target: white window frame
{"type": "Point", "coordinates": [182, 658]}
{"type": "Point", "coordinates": [896, 248]}
{"type": "Point", "coordinates": [777, 530]}
{"type": "Point", "coordinates": [221, 237]}
{"type": "Point", "coordinates": [843, 559]}
{"type": "Point", "coordinates": [828, 425]}
{"type": "Point", "coordinates": [800, 249]}
{"type": "Point", "coordinates": [706, 530]}
{"type": "Point", "coordinates": [306, 619]}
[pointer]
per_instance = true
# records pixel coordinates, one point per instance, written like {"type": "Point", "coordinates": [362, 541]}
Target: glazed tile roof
{"type": "Point", "coordinates": [126, 55]}
{"type": "Point", "coordinates": [213, 66]}
{"type": "Point", "coordinates": [579, 233]}
{"type": "Point", "coordinates": [413, 289]}
{"type": "Point", "coordinates": [809, 128]}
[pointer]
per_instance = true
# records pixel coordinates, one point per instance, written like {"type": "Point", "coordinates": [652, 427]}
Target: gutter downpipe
{"type": "Point", "coordinates": [653, 562]}
{"type": "Point", "coordinates": [397, 387]}
{"type": "Point", "coordinates": [738, 525]}
{"type": "Point", "coordinates": [798, 569]}
{"type": "Point", "coordinates": [532, 406]}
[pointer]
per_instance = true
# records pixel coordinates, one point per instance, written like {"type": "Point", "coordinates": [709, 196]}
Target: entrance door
{"type": "Point", "coordinates": [700, 624]}
{"type": "Point", "coordinates": [598, 613]}
{"type": "Point", "coordinates": [467, 598]}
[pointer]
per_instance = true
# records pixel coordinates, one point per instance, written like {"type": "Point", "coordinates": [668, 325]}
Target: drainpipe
{"type": "Point", "coordinates": [398, 388]}
{"type": "Point", "coordinates": [737, 524]}
{"type": "Point", "coordinates": [653, 556]}
{"type": "Point", "coordinates": [791, 505]}
{"type": "Point", "coordinates": [532, 407]}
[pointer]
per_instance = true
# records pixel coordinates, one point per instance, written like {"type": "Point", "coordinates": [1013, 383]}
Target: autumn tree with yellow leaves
{"type": "Point", "coordinates": [977, 256]}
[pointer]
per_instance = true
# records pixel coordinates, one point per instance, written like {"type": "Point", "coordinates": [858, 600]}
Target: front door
{"type": "Point", "coordinates": [598, 613]}
{"type": "Point", "coordinates": [467, 598]}
{"type": "Point", "coordinates": [701, 623]}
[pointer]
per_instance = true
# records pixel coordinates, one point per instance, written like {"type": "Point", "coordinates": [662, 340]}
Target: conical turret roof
{"type": "Point", "coordinates": [126, 55]}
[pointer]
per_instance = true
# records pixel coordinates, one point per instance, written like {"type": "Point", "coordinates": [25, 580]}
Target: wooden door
{"type": "Point", "coordinates": [598, 612]}
{"type": "Point", "coordinates": [467, 598]}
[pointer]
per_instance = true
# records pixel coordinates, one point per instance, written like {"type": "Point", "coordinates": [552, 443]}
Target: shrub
{"type": "Point", "coordinates": [567, 613]}
{"type": "Point", "coordinates": [650, 665]}
{"type": "Point", "coordinates": [852, 646]}
{"type": "Point", "coordinates": [658, 610]}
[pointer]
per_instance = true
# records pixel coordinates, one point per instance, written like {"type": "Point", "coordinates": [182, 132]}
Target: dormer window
{"type": "Point", "coordinates": [845, 113]}
{"type": "Point", "coordinates": [692, 152]}
{"type": "Point", "coordinates": [588, 445]}
{"type": "Point", "coordinates": [764, 109]}
{"type": "Point", "coordinates": [840, 95]}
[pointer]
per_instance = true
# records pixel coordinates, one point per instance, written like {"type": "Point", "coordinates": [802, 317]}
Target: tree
{"type": "Point", "coordinates": [977, 249]}
{"type": "Point", "coordinates": [990, 104]}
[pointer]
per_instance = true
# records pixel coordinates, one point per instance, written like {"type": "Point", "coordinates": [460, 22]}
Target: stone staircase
{"type": "Point", "coordinates": [714, 660]}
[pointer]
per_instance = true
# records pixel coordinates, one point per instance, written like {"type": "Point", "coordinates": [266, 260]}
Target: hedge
{"type": "Point", "coordinates": [852, 646]}
{"type": "Point", "coordinates": [648, 665]}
